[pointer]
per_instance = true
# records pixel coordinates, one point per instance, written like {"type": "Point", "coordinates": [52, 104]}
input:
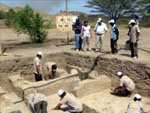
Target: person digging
{"type": "Point", "coordinates": [126, 86]}
{"type": "Point", "coordinates": [73, 104]}
{"type": "Point", "coordinates": [50, 68]}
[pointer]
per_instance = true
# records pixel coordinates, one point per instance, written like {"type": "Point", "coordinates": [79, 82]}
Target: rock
{"type": "Point", "coordinates": [62, 72]}
{"type": "Point", "coordinates": [88, 87]}
{"type": "Point", "coordinates": [74, 71]}
{"type": "Point", "coordinates": [93, 74]}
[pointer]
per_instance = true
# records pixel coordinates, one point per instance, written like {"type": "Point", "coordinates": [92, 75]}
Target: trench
{"type": "Point", "coordinates": [140, 73]}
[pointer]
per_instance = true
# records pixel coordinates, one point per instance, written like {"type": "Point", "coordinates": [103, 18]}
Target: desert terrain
{"type": "Point", "coordinates": [91, 65]}
{"type": "Point", "coordinates": [87, 75]}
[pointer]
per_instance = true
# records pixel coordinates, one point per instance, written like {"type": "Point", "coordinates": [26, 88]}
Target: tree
{"type": "Point", "coordinates": [10, 18]}
{"type": "Point", "coordinates": [32, 24]}
{"type": "Point", "coordinates": [2, 14]}
{"type": "Point", "coordinates": [144, 7]}
{"type": "Point", "coordinates": [114, 9]}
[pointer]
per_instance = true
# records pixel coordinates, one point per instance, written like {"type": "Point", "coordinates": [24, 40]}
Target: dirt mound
{"type": "Point", "coordinates": [140, 73]}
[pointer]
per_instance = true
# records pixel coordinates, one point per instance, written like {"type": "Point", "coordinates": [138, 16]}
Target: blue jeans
{"type": "Point", "coordinates": [77, 39]}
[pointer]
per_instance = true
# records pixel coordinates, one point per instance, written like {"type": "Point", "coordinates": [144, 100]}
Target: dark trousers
{"type": "Point", "coordinates": [69, 109]}
{"type": "Point", "coordinates": [38, 77]}
{"type": "Point", "coordinates": [40, 107]}
{"type": "Point", "coordinates": [122, 91]}
{"type": "Point", "coordinates": [113, 46]}
{"type": "Point", "coordinates": [134, 49]}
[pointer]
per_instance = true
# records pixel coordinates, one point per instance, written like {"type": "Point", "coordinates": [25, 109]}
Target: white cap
{"type": "Point", "coordinates": [99, 20]}
{"type": "Point", "coordinates": [40, 53]}
{"type": "Point", "coordinates": [112, 21]}
{"type": "Point", "coordinates": [119, 73]}
{"type": "Point", "coordinates": [138, 96]}
{"type": "Point", "coordinates": [60, 92]}
{"type": "Point", "coordinates": [132, 21]}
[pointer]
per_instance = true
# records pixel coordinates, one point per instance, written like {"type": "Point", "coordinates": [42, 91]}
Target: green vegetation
{"type": "Point", "coordinates": [48, 25]}
{"type": "Point", "coordinates": [145, 22]}
{"type": "Point", "coordinates": [30, 23]}
{"type": "Point", "coordinates": [10, 18]}
{"type": "Point", "coordinates": [2, 14]}
{"type": "Point", "coordinates": [115, 9]}
{"type": "Point", "coordinates": [144, 7]}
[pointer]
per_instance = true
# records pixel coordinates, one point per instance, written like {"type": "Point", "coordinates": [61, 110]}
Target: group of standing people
{"type": "Point", "coordinates": [83, 34]}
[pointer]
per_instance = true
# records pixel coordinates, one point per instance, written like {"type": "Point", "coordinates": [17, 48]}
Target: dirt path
{"type": "Point", "coordinates": [20, 46]}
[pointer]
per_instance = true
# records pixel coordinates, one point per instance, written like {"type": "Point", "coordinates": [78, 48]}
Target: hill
{"type": "Point", "coordinates": [46, 16]}
{"type": "Point", "coordinates": [4, 7]}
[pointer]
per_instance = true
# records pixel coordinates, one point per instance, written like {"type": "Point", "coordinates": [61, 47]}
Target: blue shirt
{"type": "Point", "coordinates": [115, 33]}
{"type": "Point", "coordinates": [79, 26]}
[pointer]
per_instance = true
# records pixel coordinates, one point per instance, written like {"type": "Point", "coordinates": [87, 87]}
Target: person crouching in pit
{"type": "Point", "coordinates": [126, 86]}
{"type": "Point", "coordinates": [73, 104]}
{"type": "Point", "coordinates": [50, 69]}
{"type": "Point", "coordinates": [37, 103]}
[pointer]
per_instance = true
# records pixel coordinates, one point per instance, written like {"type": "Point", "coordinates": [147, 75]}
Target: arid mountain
{"type": "Point", "coordinates": [4, 7]}
{"type": "Point", "coordinates": [46, 16]}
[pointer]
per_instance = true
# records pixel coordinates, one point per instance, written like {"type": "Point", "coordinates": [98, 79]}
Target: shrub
{"type": "Point", "coordinates": [10, 18]}
{"type": "Point", "coordinates": [2, 14]}
{"type": "Point", "coordinates": [32, 24]}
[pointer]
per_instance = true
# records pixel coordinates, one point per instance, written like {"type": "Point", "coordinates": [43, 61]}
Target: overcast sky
{"type": "Point", "coordinates": [49, 6]}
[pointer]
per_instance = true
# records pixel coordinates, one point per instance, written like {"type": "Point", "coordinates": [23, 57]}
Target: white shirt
{"type": "Point", "coordinates": [73, 102]}
{"type": "Point", "coordinates": [37, 62]}
{"type": "Point", "coordinates": [100, 29]}
{"type": "Point", "coordinates": [86, 31]}
{"type": "Point", "coordinates": [127, 82]}
{"type": "Point", "coordinates": [135, 107]}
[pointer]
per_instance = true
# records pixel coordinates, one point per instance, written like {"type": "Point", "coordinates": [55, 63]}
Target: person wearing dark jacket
{"type": "Point", "coordinates": [114, 36]}
{"type": "Point", "coordinates": [77, 29]}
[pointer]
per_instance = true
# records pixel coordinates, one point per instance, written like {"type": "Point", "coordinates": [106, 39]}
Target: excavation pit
{"type": "Point", "coordinates": [99, 72]}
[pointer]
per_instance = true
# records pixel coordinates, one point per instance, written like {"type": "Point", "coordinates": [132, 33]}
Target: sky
{"type": "Point", "coordinates": [49, 6]}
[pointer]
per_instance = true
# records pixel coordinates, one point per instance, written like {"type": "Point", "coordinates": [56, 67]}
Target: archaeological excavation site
{"type": "Point", "coordinates": [88, 78]}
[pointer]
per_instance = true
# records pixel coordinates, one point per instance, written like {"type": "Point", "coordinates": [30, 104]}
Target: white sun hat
{"type": "Point", "coordinates": [119, 73]}
{"type": "Point", "coordinates": [99, 20]}
{"type": "Point", "coordinates": [112, 21]}
{"type": "Point", "coordinates": [40, 53]}
{"type": "Point", "coordinates": [138, 96]}
{"type": "Point", "coordinates": [60, 92]}
{"type": "Point", "coordinates": [132, 21]}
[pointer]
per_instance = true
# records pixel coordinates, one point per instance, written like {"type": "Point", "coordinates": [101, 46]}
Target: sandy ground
{"type": "Point", "coordinates": [21, 62]}
{"type": "Point", "coordinates": [20, 45]}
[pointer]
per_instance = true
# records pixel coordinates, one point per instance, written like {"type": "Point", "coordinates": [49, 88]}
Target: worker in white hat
{"type": "Point", "coordinates": [136, 106]}
{"type": "Point", "coordinates": [50, 70]}
{"type": "Point", "coordinates": [114, 36]}
{"type": "Point", "coordinates": [73, 104]}
{"type": "Point", "coordinates": [126, 85]}
{"type": "Point", "coordinates": [134, 34]}
{"type": "Point", "coordinates": [100, 30]}
{"type": "Point", "coordinates": [38, 66]}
